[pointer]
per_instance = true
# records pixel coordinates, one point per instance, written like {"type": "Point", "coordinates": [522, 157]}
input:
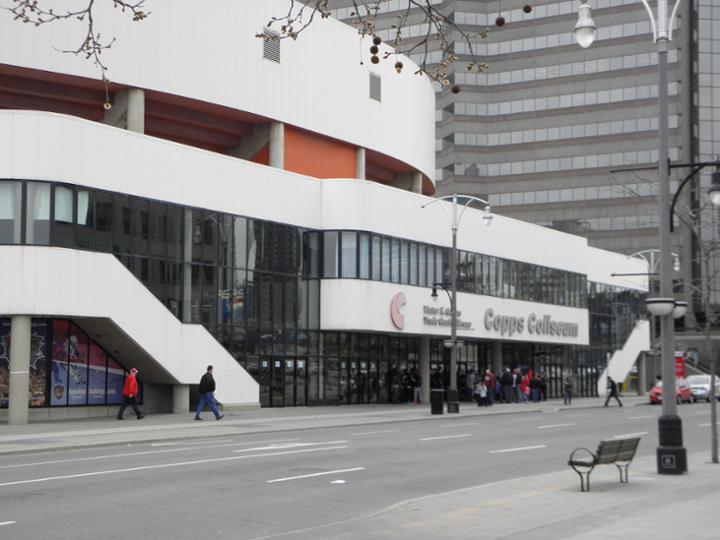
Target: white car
{"type": "Point", "coordinates": [700, 386]}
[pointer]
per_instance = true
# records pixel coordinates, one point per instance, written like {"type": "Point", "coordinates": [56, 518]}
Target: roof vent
{"type": "Point", "coordinates": [375, 87]}
{"type": "Point", "coordinates": [271, 46]}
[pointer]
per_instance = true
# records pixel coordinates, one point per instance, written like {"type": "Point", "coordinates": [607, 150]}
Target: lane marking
{"type": "Point", "coordinates": [132, 454]}
{"type": "Point", "coordinates": [522, 419]}
{"type": "Point", "coordinates": [701, 412]}
{"type": "Point", "coordinates": [642, 417]}
{"type": "Point", "coordinates": [168, 465]}
{"type": "Point", "coordinates": [446, 437]}
{"type": "Point", "coordinates": [314, 475]}
{"type": "Point", "coordinates": [625, 435]}
{"type": "Point", "coordinates": [374, 432]}
{"type": "Point", "coordinates": [191, 443]}
{"type": "Point", "coordinates": [555, 425]}
{"type": "Point", "coordinates": [519, 449]}
{"type": "Point", "coordinates": [288, 445]}
{"type": "Point", "coordinates": [7, 523]}
{"type": "Point", "coordinates": [576, 415]}
{"type": "Point", "coordinates": [459, 425]}
{"type": "Point", "coordinates": [708, 424]}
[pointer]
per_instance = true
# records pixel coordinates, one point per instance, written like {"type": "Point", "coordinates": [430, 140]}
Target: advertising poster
{"type": "Point", "coordinates": [38, 363]}
{"type": "Point", "coordinates": [115, 379]}
{"type": "Point", "coordinates": [59, 363]}
{"type": "Point", "coordinates": [96, 376]}
{"type": "Point", "coordinates": [77, 366]}
{"type": "Point", "coordinates": [4, 362]}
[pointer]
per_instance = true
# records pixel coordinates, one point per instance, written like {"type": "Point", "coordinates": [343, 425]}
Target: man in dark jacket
{"type": "Point", "coordinates": [612, 392]}
{"type": "Point", "coordinates": [206, 389]}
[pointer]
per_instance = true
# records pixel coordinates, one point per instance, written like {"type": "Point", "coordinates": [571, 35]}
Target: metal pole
{"type": "Point", "coordinates": [453, 405]}
{"type": "Point", "coordinates": [671, 455]}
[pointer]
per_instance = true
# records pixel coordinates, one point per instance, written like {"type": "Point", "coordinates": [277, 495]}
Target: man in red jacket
{"type": "Point", "coordinates": [130, 391]}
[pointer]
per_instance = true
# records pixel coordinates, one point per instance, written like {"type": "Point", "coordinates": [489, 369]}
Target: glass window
{"type": "Point", "coordinates": [364, 256]}
{"type": "Point", "coordinates": [37, 225]}
{"type": "Point", "coordinates": [115, 379]}
{"type": "Point", "coordinates": [395, 260]}
{"type": "Point", "coordinates": [59, 362]}
{"type": "Point", "coordinates": [404, 260]}
{"type": "Point", "coordinates": [85, 221]}
{"type": "Point", "coordinates": [375, 258]}
{"type": "Point", "coordinates": [63, 232]}
{"type": "Point", "coordinates": [413, 264]}
{"type": "Point", "coordinates": [386, 259]}
{"type": "Point", "coordinates": [422, 266]}
{"type": "Point", "coordinates": [121, 222]}
{"type": "Point", "coordinates": [78, 366]}
{"type": "Point", "coordinates": [96, 375]}
{"type": "Point", "coordinates": [349, 254]}
{"type": "Point", "coordinates": [330, 254]}
{"type": "Point", "coordinates": [10, 212]}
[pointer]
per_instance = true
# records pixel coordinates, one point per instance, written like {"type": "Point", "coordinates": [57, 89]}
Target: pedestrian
{"type": "Point", "coordinates": [507, 384]}
{"type": "Point", "coordinates": [417, 386]}
{"type": "Point", "coordinates": [543, 386]}
{"type": "Point", "coordinates": [612, 392]}
{"type": "Point", "coordinates": [481, 393]}
{"type": "Point", "coordinates": [206, 389]}
{"type": "Point", "coordinates": [130, 392]}
{"type": "Point", "coordinates": [490, 385]}
{"type": "Point", "coordinates": [516, 379]}
{"type": "Point", "coordinates": [524, 388]}
{"type": "Point", "coordinates": [535, 388]}
{"type": "Point", "coordinates": [567, 388]}
{"type": "Point", "coordinates": [470, 381]}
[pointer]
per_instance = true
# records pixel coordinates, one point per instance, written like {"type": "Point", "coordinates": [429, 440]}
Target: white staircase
{"type": "Point", "coordinates": [623, 359]}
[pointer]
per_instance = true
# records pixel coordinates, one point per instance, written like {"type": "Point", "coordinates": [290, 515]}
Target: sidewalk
{"type": "Point", "coordinates": [45, 436]}
{"type": "Point", "coordinates": [551, 506]}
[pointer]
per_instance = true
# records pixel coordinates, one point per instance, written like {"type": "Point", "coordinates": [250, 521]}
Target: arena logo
{"type": "Point", "coordinates": [541, 325]}
{"type": "Point", "coordinates": [397, 318]}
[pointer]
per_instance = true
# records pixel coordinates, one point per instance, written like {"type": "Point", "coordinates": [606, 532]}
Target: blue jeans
{"type": "Point", "coordinates": [208, 399]}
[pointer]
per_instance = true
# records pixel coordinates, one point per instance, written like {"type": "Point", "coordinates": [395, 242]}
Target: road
{"type": "Point", "coordinates": [255, 486]}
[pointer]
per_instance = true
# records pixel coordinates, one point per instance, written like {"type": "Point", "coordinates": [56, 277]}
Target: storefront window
{"type": "Point", "coordinates": [364, 256]}
{"type": "Point", "coordinates": [37, 225]}
{"type": "Point", "coordinates": [77, 366]}
{"type": "Point", "coordinates": [349, 255]}
{"type": "Point", "coordinates": [330, 254]}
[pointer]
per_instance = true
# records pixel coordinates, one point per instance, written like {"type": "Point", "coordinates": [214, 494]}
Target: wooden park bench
{"type": "Point", "coordinates": [618, 452]}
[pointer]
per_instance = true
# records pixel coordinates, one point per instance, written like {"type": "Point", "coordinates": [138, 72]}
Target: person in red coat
{"type": "Point", "coordinates": [130, 391]}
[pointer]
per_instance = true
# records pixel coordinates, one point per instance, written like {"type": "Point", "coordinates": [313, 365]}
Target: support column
{"type": "Point", "coordinates": [181, 398]}
{"type": "Point", "coordinates": [642, 374]}
{"type": "Point", "coordinates": [136, 110]}
{"type": "Point", "coordinates": [360, 164]}
{"type": "Point", "coordinates": [417, 183]}
{"type": "Point", "coordinates": [19, 370]}
{"type": "Point", "coordinates": [277, 145]}
{"type": "Point", "coordinates": [187, 267]}
{"type": "Point", "coordinates": [425, 368]}
{"type": "Point", "coordinates": [497, 356]}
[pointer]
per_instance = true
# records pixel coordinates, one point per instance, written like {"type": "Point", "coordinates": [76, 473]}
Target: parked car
{"type": "Point", "coordinates": [682, 392]}
{"type": "Point", "coordinates": [700, 386]}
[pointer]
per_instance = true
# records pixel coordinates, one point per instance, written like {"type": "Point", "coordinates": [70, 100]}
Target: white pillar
{"type": "Point", "coordinates": [360, 164]}
{"type": "Point", "coordinates": [136, 110]}
{"type": "Point", "coordinates": [417, 183]}
{"type": "Point", "coordinates": [181, 398]}
{"type": "Point", "coordinates": [19, 369]}
{"type": "Point", "coordinates": [425, 368]}
{"type": "Point", "coordinates": [277, 145]}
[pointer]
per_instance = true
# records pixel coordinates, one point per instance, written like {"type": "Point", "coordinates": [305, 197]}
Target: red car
{"type": "Point", "coordinates": [683, 392]}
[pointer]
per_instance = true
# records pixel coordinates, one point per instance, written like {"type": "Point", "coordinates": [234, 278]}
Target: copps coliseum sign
{"type": "Point", "coordinates": [539, 325]}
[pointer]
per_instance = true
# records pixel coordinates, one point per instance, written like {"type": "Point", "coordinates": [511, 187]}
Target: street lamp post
{"type": "Point", "coordinates": [453, 404]}
{"type": "Point", "coordinates": [671, 455]}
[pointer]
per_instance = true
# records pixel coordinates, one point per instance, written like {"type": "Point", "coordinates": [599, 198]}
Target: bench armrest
{"type": "Point", "coordinates": [589, 461]}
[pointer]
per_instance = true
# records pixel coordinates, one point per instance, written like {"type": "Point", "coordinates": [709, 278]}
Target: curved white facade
{"type": "Point", "coordinates": [211, 54]}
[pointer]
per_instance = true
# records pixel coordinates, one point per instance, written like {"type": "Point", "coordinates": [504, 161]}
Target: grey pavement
{"type": "Point", "coordinates": [82, 433]}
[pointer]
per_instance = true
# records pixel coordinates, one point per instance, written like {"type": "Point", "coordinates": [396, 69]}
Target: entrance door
{"type": "Point", "coordinates": [300, 381]}
{"type": "Point", "coordinates": [264, 381]}
{"type": "Point", "coordinates": [277, 383]}
{"type": "Point", "coordinates": [289, 391]}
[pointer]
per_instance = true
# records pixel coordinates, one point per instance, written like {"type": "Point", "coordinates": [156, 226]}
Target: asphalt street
{"type": "Point", "coordinates": [260, 485]}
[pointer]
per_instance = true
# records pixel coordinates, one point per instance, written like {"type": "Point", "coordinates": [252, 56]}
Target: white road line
{"type": "Point", "coordinates": [519, 449]}
{"type": "Point", "coordinates": [575, 415]}
{"type": "Point", "coordinates": [642, 417]}
{"type": "Point", "coordinates": [314, 475]}
{"type": "Point", "coordinates": [373, 432]}
{"type": "Point", "coordinates": [288, 445]}
{"type": "Point", "coordinates": [523, 419]}
{"type": "Point", "coordinates": [555, 425]}
{"type": "Point", "coordinates": [625, 435]}
{"type": "Point", "coordinates": [212, 442]}
{"type": "Point", "coordinates": [707, 425]}
{"type": "Point", "coordinates": [701, 412]}
{"type": "Point", "coordinates": [7, 523]}
{"type": "Point", "coordinates": [133, 454]}
{"type": "Point", "coordinates": [168, 465]}
{"type": "Point", "coordinates": [460, 425]}
{"type": "Point", "coordinates": [447, 437]}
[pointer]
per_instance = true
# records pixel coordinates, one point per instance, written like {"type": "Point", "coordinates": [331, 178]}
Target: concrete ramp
{"type": "Point", "coordinates": [82, 285]}
{"type": "Point", "coordinates": [623, 359]}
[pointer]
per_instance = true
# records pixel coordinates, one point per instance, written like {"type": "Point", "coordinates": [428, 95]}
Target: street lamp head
{"type": "Point", "coordinates": [660, 307]}
{"type": "Point", "coordinates": [676, 263]}
{"type": "Point", "coordinates": [487, 216]}
{"type": "Point", "coordinates": [585, 27]}
{"type": "Point", "coordinates": [714, 190]}
{"type": "Point", "coordinates": [680, 309]}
